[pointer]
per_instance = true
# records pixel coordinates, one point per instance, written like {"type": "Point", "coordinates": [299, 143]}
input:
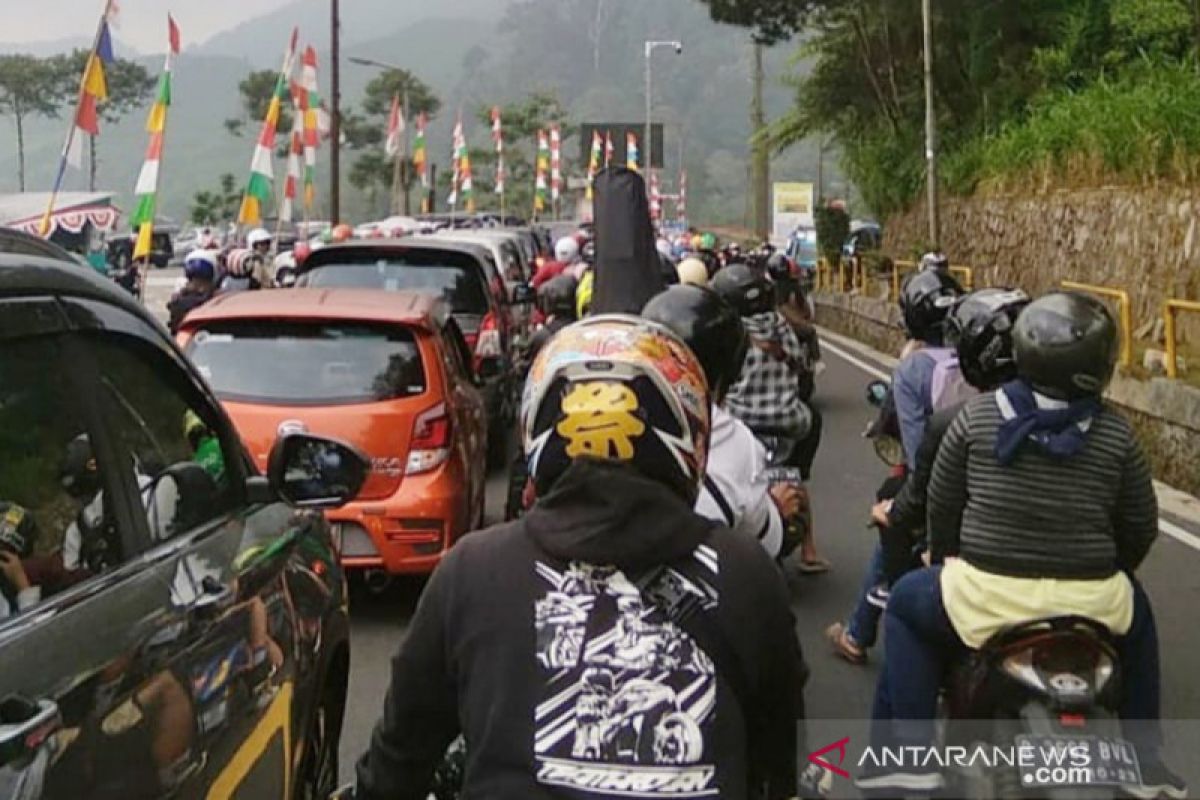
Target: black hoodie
{"type": "Point", "coordinates": [530, 641]}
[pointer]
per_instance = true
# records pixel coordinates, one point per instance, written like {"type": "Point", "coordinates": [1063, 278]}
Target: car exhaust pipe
{"type": "Point", "coordinates": [377, 581]}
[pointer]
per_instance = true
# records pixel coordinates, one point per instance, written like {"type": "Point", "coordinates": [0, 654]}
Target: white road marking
{"type": "Point", "coordinates": [1172, 499]}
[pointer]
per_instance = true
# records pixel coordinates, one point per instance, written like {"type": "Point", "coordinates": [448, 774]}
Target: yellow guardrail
{"type": "Point", "coordinates": [1169, 309]}
{"type": "Point", "coordinates": [968, 277]}
{"type": "Point", "coordinates": [1124, 310]}
{"type": "Point", "coordinates": [897, 268]}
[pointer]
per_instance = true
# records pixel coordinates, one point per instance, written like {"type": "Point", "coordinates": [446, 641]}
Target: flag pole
{"type": "Point", "coordinates": [44, 227]}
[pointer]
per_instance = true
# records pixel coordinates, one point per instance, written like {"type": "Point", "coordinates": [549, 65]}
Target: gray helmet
{"type": "Point", "coordinates": [1065, 344]}
{"type": "Point", "coordinates": [980, 329]}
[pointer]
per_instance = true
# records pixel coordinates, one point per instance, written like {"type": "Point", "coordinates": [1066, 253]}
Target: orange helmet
{"type": "Point", "coordinates": [342, 233]}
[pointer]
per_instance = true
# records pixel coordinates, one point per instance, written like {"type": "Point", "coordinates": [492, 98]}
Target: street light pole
{"type": "Point", "coordinates": [335, 115]}
{"type": "Point", "coordinates": [931, 143]}
{"type": "Point", "coordinates": [649, 140]}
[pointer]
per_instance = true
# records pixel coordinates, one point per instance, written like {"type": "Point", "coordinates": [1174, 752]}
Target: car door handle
{"type": "Point", "coordinates": [24, 725]}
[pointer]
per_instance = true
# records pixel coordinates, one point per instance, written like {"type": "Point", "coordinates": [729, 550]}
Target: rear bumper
{"type": "Point", "coordinates": [408, 533]}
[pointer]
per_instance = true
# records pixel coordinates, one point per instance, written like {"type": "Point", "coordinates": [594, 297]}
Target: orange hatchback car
{"type": "Point", "coordinates": [385, 371]}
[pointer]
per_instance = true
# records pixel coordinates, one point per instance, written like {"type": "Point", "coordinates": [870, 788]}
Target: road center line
{"type": "Point", "coordinates": [1169, 528]}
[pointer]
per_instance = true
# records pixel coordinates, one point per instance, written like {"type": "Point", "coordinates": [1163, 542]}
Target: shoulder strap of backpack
{"type": "Point", "coordinates": [719, 498]}
{"type": "Point", "coordinates": [684, 608]}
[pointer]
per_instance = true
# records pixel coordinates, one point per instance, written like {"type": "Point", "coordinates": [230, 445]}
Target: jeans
{"type": "Point", "coordinates": [863, 626]}
{"type": "Point", "coordinates": [921, 645]}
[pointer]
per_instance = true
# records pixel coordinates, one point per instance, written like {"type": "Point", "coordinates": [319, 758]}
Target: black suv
{"type": "Point", "coordinates": [172, 623]}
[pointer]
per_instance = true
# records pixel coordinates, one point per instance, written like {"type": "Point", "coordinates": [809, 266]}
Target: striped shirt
{"type": "Point", "coordinates": [1041, 517]}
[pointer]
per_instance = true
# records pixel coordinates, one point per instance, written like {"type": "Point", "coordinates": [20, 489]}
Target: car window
{"type": "Point", "coordinates": [453, 278]}
{"type": "Point", "coordinates": [185, 473]}
{"type": "Point", "coordinates": [308, 362]}
{"type": "Point", "coordinates": [456, 353]}
{"type": "Point", "coordinates": [56, 530]}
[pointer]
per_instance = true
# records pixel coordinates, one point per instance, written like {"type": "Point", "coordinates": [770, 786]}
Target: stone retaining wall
{"type": "Point", "coordinates": [1165, 413]}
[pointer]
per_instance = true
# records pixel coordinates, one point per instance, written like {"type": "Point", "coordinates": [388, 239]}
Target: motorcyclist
{"type": "Point", "coordinates": [200, 272]}
{"type": "Point", "coordinates": [566, 255]}
{"type": "Point", "coordinates": [766, 394]}
{"type": "Point", "coordinates": [260, 242]}
{"type": "Point", "coordinates": [735, 490]}
{"type": "Point", "coordinates": [1041, 504]}
{"type": "Point", "coordinates": [555, 643]}
{"type": "Point", "coordinates": [979, 328]}
{"type": "Point", "coordinates": [791, 302]}
{"type": "Point", "coordinates": [556, 301]}
{"type": "Point", "coordinates": [692, 272]}
{"type": "Point", "coordinates": [935, 261]}
{"type": "Point", "coordinates": [241, 267]}
{"type": "Point", "coordinates": [925, 300]}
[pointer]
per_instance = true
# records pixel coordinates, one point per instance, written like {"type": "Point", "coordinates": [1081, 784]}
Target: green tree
{"type": "Point", "coordinates": [256, 91]}
{"type": "Point", "coordinates": [373, 171]}
{"type": "Point", "coordinates": [29, 86]}
{"type": "Point", "coordinates": [218, 206]}
{"type": "Point", "coordinates": [129, 87]}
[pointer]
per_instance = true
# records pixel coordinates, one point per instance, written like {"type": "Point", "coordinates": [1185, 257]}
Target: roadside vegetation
{"type": "Point", "coordinates": [1078, 92]}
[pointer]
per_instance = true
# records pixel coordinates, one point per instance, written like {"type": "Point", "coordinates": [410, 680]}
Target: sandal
{"type": "Point", "coordinates": [815, 566]}
{"type": "Point", "coordinates": [844, 645]}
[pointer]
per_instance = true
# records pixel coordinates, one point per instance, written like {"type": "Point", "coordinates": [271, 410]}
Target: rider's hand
{"type": "Point", "coordinates": [879, 513]}
{"type": "Point", "coordinates": [11, 569]}
{"type": "Point", "coordinates": [788, 499]}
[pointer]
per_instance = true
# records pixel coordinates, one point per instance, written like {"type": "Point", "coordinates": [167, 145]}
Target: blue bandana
{"type": "Point", "coordinates": [1056, 431]}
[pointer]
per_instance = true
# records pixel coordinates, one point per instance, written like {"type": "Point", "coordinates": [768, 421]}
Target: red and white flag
{"type": "Point", "coordinates": [555, 163]}
{"type": "Point", "coordinates": [498, 138]}
{"type": "Point", "coordinates": [395, 128]}
{"type": "Point", "coordinates": [681, 206]}
{"type": "Point", "coordinates": [655, 197]}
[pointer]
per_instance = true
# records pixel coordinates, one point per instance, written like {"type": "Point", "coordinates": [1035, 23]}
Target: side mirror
{"type": "Point", "coordinates": [877, 393]}
{"type": "Point", "coordinates": [523, 294]}
{"type": "Point", "coordinates": [313, 472]}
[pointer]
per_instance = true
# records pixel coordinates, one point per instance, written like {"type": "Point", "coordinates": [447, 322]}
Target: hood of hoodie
{"type": "Point", "coordinates": [601, 512]}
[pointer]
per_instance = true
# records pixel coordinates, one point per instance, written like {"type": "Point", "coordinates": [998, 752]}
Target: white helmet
{"type": "Point", "coordinates": [257, 237]}
{"type": "Point", "coordinates": [692, 271]}
{"type": "Point", "coordinates": [566, 250]}
{"type": "Point", "coordinates": [935, 260]}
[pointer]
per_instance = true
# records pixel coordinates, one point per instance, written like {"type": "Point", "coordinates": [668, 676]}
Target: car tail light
{"type": "Point", "coordinates": [487, 342]}
{"type": "Point", "coordinates": [430, 445]}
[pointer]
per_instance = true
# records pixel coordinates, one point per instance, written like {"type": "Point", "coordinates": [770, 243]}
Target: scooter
{"type": "Point", "coordinates": [1049, 688]}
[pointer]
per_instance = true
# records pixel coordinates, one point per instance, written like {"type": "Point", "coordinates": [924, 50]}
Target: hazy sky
{"type": "Point", "coordinates": [141, 23]}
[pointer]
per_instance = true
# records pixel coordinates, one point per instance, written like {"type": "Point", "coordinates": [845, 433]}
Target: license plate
{"type": "Point", "coordinates": [1059, 760]}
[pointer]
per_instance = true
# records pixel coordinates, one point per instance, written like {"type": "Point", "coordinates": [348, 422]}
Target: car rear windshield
{"type": "Point", "coordinates": [455, 277]}
{"type": "Point", "coordinates": [284, 362]}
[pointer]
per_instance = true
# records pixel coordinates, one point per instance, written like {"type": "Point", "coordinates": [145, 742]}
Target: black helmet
{"type": "Point", "coordinates": [980, 328]}
{"type": "Point", "coordinates": [744, 288]}
{"type": "Point", "coordinates": [556, 296]}
{"type": "Point", "coordinates": [779, 267]}
{"type": "Point", "coordinates": [925, 299]}
{"type": "Point", "coordinates": [80, 477]}
{"type": "Point", "coordinates": [709, 326]}
{"type": "Point", "coordinates": [1065, 344]}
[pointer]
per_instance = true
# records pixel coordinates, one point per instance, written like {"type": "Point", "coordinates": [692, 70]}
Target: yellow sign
{"type": "Point", "coordinates": [793, 208]}
{"type": "Point", "coordinates": [599, 420]}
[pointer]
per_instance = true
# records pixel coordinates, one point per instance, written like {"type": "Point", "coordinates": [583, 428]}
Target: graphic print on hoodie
{"type": "Point", "coordinates": [628, 699]}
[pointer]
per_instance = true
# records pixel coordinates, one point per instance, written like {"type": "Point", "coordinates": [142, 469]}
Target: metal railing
{"type": "Point", "coordinates": [968, 276]}
{"type": "Point", "coordinates": [1124, 312]}
{"type": "Point", "coordinates": [1170, 307]}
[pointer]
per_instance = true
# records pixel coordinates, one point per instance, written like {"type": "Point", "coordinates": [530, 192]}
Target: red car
{"type": "Point", "coordinates": [386, 371]}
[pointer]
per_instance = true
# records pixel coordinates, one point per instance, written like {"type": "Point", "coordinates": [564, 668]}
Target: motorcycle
{"type": "Point", "coordinates": [1050, 686]}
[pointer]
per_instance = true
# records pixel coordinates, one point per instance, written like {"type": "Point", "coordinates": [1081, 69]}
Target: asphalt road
{"type": "Point", "coordinates": [846, 475]}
